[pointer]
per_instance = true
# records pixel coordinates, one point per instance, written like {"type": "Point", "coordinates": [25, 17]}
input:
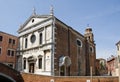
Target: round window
{"type": "Point", "coordinates": [79, 43]}
{"type": "Point", "coordinates": [33, 38]}
{"type": "Point", "coordinates": [33, 20]}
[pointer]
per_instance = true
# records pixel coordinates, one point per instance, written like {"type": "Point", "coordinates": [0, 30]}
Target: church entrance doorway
{"type": "Point", "coordinates": [32, 60]}
{"type": "Point", "coordinates": [31, 68]}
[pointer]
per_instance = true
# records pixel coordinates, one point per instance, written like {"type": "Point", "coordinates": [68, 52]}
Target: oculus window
{"type": "Point", "coordinates": [79, 43]}
{"type": "Point", "coordinates": [91, 49]}
{"type": "Point", "coordinates": [33, 38]}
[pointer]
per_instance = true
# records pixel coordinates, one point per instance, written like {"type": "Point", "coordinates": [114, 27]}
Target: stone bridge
{"type": "Point", "coordinates": [7, 74]}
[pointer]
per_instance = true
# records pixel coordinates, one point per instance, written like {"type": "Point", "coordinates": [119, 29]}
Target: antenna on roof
{"type": "Point", "coordinates": [51, 10]}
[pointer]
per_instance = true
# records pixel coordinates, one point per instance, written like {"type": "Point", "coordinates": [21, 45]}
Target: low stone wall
{"type": "Point", "coordinates": [86, 79]}
{"type": "Point", "coordinates": [40, 78]}
{"type": "Point", "coordinates": [35, 78]}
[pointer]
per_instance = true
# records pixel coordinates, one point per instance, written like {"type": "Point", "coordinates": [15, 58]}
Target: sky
{"type": "Point", "coordinates": [103, 16]}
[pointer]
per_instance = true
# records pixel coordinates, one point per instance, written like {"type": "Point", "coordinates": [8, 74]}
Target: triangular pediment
{"type": "Point", "coordinates": [33, 20]}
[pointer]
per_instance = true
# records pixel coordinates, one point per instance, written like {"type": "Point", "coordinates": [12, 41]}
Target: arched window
{"type": "Point", "coordinates": [91, 49]}
{"type": "Point", "coordinates": [40, 62]}
{"type": "Point", "coordinates": [40, 38]}
{"type": "Point", "coordinates": [24, 62]}
{"type": "Point", "coordinates": [26, 43]}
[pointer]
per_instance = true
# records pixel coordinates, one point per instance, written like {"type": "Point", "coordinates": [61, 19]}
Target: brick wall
{"type": "Point", "coordinates": [35, 78]}
{"type": "Point", "coordinates": [39, 78]}
{"type": "Point", "coordinates": [61, 45]}
{"type": "Point", "coordinates": [66, 45]}
{"type": "Point", "coordinates": [5, 45]}
{"type": "Point", "coordinates": [84, 79]}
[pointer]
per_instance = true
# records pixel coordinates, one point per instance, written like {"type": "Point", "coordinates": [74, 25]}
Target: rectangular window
{"type": "Point", "coordinates": [1, 38]}
{"type": "Point", "coordinates": [13, 41]}
{"type": "Point", "coordinates": [40, 63]}
{"type": "Point", "coordinates": [24, 63]}
{"type": "Point", "coordinates": [40, 38]}
{"type": "Point", "coordinates": [0, 51]}
{"type": "Point", "coordinates": [118, 48]}
{"type": "Point", "coordinates": [8, 53]}
{"type": "Point", "coordinates": [12, 54]}
{"type": "Point", "coordinates": [26, 43]}
{"type": "Point", "coordinates": [10, 40]}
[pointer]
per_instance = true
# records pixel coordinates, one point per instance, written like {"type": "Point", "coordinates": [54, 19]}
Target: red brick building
{"type": "Point", "coordinates": [112, 65]}
{"type": "Point", "coordinates": [8, 46]}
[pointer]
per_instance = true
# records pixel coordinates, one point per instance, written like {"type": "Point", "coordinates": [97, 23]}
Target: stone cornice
{"type": "Point", "coordinates": [38, 29]}
{"type": "Point", "coordinates": [33, 48]}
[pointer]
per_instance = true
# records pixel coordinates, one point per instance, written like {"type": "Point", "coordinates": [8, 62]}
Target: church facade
{"type": "Point", "coordinates": [47, 46]}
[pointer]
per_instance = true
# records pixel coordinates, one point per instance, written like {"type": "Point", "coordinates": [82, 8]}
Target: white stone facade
{"type": "Point", "coordinates": [36, 45]}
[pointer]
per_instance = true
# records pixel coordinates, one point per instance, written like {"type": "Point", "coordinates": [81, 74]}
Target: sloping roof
{"type": "Point", "coordinates": [47, 17]}
{"type": "Point", "coordinates": [32, 16]}
{"type": "Point", "coordinates": [7, 34]}
{"type": "Point", "coordinates": [69, 27]}
{"type": "Point", "coordinates": [118, 43]}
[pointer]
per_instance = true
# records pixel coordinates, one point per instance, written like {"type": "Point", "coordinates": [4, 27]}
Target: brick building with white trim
{"type": "Point", "coordinates": [50, 47]}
